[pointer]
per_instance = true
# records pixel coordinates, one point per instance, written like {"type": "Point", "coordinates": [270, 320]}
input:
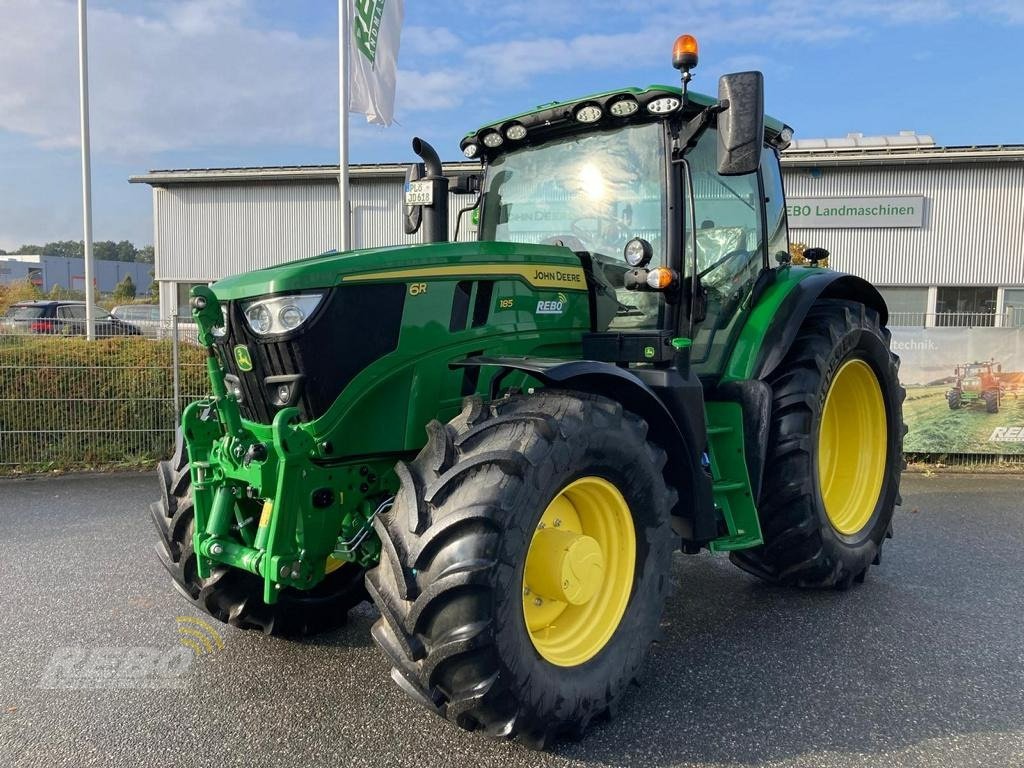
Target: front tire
{"type": "Point", "coordinates": [234, 596]}
{"type": "Point", "coordinates": [461, 596]}
{"type": "Point", "coordinates": [835, 452]}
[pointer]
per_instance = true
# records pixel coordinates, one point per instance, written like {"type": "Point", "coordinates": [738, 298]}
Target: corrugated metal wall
{"type": "Point", "coordinates": [209, 231]}
{"type": "Point", "coordinates": [973, 231]}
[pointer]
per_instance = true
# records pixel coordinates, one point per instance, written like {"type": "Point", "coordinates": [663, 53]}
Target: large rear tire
{"type": "Point", "coordinates": [464, 583]}
{"type": "Point", "coordinates": [233, 596]}
{"type": "Point", "coordinates": [835, 454]}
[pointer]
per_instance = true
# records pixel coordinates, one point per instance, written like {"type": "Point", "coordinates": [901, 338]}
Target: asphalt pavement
{"type": "Point", "coordinates": [923, 665]}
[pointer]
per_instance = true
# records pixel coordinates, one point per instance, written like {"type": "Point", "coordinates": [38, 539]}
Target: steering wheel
{"type": "Point", "coordinates": [728, 257]}
{"type": "Point", "coordinates": [583, 233]}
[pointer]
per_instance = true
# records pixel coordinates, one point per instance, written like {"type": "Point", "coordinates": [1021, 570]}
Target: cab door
{"type": "Point", "coordinates": [734, 234]}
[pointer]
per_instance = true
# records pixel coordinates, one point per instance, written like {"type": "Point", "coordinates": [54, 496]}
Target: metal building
{"type": "Point", "coordinates": [940, 230]}
{"type": "Point", "coordinates": [48, 272]}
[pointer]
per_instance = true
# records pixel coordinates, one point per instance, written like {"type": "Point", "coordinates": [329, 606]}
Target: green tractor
{"type": "Point", "coordinates": [504, 441]}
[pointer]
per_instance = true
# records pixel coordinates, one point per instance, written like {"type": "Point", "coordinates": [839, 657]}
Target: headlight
{"type": "Point", "coordinates": [515, 131]}
{"type": "Point", "coordinates": [280, 314]}
{"type": "Point", "coordinates": [624, 107]}
{"type": "Point", "coordinates": [492, 139]}
{"type": "Point", "coordinates": [588, 113]}
{"type": "Point", "coordinates": [638, 252]}
{"type": "Point", "coordinates": [664, 105]}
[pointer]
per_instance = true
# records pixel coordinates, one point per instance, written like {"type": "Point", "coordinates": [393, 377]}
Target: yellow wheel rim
{"type": "Point", "coordinates": [852, 447]}
{"type": "Point", "coordinates": [579, 572]}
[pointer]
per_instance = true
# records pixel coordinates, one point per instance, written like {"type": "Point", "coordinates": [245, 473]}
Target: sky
{"type": "Point", "coordinates": [221, 83]}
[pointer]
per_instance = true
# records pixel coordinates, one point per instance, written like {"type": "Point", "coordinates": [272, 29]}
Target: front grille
{"type": "Point", "coordinates": [353, 326]}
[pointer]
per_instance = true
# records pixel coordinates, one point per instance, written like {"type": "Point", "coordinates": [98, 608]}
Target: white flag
{"type": "Point", "coordinates": [376, 26]}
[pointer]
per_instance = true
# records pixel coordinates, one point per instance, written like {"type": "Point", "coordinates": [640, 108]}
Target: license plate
{"type": "Point", "coordinates": [419, 193]}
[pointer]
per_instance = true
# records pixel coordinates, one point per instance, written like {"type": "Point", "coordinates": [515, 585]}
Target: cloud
{"type": "Point", "coordinates": [212, 73]}
{"type": "Point", "coordinates": [195, 74]}
{"type": "Point", "coordinates": [429, 41]}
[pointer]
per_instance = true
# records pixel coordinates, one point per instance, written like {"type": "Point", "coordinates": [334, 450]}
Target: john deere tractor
{"type": "Point", "coordinates": [504, 441]}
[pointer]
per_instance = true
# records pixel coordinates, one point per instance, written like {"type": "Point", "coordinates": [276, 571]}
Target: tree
{"type": "Point", "coordinates": [70, 249]}
{"type": "Point", "coordinates": [145, 254]}
{"type": "Point", "coordinates": [105, 250]}
{"type": "Point", "coordinates": [126, 251]}
{"type": "Point", "coordinates": [28, 250]}
{"type": "Point", "coordinates": [125, 290]}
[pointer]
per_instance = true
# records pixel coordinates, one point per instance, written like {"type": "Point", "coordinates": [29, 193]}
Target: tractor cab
{"type": "Point", "coordinates": [673, 227]}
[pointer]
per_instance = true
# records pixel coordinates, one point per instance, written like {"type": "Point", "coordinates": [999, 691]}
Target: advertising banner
{"type": "Point", "coordinates": [965, 389]}
{"type": "Point", "coordinates": [854, 212]}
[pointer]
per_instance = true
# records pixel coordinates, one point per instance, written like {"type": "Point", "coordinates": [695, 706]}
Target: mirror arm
{"type": "Point", "coordinates": [685, 139]}
{"type": "Point", "coordinates": [462, 212]}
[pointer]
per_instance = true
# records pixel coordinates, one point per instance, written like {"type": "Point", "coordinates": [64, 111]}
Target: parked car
{"type": "Point", "coordinates": [146, 317]}
{"type": "Point", "coordinates": [62, 317]}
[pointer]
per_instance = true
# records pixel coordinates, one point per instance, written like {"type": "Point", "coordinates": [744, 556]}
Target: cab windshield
{"type": "Point", "coordinates": [590, 192]}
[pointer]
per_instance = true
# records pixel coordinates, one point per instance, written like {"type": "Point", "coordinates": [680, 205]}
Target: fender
{"type": "Point", "coordinates": [780, 310]}
{"type": "Point", "coordinates": [673, 408]}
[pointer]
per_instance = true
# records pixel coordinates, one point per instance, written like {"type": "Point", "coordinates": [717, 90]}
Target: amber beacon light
{"type": "Point", "coordinates": [684, 53]}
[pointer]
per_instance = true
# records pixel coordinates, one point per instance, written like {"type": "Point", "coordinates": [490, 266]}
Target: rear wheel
{"type": "Point", "coordinates": [235, 596]}
{"type": "Point", "coordinates": [835, 455]}
{"type": "Point", "coordinates": [525, 564]}
{"type": "Point", "coordinates": [991, 401]}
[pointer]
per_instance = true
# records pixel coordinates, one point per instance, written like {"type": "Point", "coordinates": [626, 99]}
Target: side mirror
{"type": "Point", "coordinates": [740, 123]}
{"type": "Point", "coordinates": [465, 184]}
{"type": "Point", "coordinates": [814, 255]}
{"type": "Point", "coordinates": [413, 213]}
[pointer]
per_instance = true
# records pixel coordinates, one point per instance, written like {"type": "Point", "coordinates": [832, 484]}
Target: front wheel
{"type": "Point", "coordinates": [235, 596]}
{"type": "Point", "coordinates": [991, 400]}
{"type": "Point", "coordinates": [835, 452]}
{"type": "Point", "coordinates": [525, 564]}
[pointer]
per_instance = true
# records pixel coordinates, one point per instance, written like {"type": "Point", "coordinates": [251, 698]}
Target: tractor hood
{"type": "Point", "coordinates": [544, 266]}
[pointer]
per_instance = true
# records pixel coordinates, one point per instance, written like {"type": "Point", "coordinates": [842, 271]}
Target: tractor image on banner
{"type": "Point", "coordinates": [502, 442]}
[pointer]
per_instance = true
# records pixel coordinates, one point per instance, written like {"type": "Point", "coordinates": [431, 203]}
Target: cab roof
{"type": "Point", "coordinates": [559, 117]}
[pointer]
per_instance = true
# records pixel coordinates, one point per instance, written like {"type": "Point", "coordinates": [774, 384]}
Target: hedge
{"type": "Point", "coordinates": [67, 403]}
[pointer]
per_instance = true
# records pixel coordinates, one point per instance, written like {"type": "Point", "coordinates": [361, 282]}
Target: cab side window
{"type": "Point", "coordinates": [774, 205]}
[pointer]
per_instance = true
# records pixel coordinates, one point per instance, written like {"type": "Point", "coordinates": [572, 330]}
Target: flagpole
{"type": "Point", "coordinates": [344, 235]}
{"type": "Point", "coordinates": [83, 93]}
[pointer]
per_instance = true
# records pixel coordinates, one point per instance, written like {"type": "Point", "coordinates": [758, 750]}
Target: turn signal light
{"type": "Point", "coordinates": [661, 278]}
{"type": "Point", "coordinates": [684, 52]}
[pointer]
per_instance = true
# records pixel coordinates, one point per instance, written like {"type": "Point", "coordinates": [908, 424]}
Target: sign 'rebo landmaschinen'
{"type": "Point", "coordinates": [854, 212]}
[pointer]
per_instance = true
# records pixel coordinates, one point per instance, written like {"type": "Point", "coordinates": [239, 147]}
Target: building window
{"type": "Point", "coordinates": [1013, 308]}
{"type": "Point", "coordinates": [907, 306]}
{"type": "Point", "coordinates": [965, 306]}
